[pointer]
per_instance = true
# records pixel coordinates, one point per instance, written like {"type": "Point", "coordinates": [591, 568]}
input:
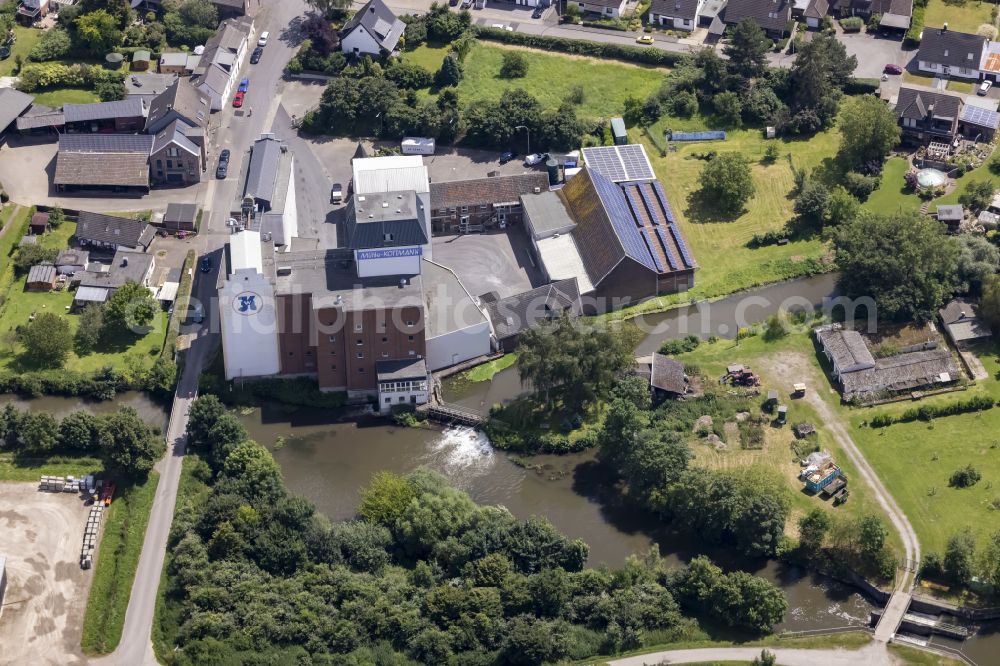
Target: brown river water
{"type": "Point", "coordinates": [328, 462]}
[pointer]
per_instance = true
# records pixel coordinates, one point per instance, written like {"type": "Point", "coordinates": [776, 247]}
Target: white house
{"type": "Point", "coordinates": [606, 8]}
{"type": "Point", "coordinates": [948, 53]}
{"type": "Point", "coordinates": [677, 14]}
{"type": "Point", "coordinates": [218, 70]}
{"type": "Point", "coordinates": [374, 30]}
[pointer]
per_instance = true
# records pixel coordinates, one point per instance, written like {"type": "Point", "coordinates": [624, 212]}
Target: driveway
{"type": "Point", "coordinates": [874, 53]}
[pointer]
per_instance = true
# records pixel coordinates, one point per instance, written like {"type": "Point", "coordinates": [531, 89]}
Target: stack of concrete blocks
{"type": "Point", "coordinates": [59, 484]}
{"type": "Point", "coordinates": [90, 536]}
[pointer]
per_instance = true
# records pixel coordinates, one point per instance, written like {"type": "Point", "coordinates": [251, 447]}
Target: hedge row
{"type": "Point", "coordinates": [180, 308]}
{"type": "Point", "coordinates": [862, 86]}
{"type": "Point", "coordinates": [642, 55]}
{"type": "Point", "coordinates": [103, 385]}
{"type": "Point", "coordinates": [38, 76]}
{"type": "Point", "coordinates": [928, 412]}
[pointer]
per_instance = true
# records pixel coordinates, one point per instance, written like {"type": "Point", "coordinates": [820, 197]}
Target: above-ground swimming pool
{"type": "Point", "coordinates": [931, 178]}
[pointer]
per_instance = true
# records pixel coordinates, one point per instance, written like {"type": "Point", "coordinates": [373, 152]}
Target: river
{"type": "Point", "coordinates": [329, 462]}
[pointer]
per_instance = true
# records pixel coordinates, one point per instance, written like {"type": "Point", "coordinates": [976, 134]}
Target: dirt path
{"type": "Point", "coordinates": [874, 654]}
{"type": "Point", "coordinates": [791, 367]}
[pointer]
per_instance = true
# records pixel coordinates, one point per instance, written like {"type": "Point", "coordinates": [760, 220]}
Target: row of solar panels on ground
{"type": "Point", "coordinates": [619, 163]}
{"type": "Point", "coordinates": [696, 136]}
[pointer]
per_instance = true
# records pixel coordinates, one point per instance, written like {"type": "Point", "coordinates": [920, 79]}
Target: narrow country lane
{"type": "Point", "coordinates": [874, 654]}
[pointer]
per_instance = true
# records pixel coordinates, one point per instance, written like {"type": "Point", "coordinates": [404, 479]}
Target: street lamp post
{"type": "Point", "coordinates": [527, 136]}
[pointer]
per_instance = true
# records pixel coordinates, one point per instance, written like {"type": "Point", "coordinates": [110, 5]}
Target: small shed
{"type": "Point", "coordinates": [28, 240]}
{"type": "Point", "coordinates": [989, 220]}
{"type": "Point", "coordinates": [72, 261]}
{"type": "Point", "coordinates": [804, 429]}
{"type": "Point", "coordinates": [140, 60]}
{"type": "Point", "coordinates": [180, 217]}
{"type": "Point", "coordinates": [167, 293]}
{"type": "Point", "coordinates": [85, 295]}
{"type": "Point", "coordinates": [39, 224]}
{"type": "Point", "coordinates": [41, 277]}
{"type": "Point", "coordinates": [618, 131]}
{"type": "Point", "coordinates": [952, 215]}
{"type": "Point", "coordinates": [666, 377]}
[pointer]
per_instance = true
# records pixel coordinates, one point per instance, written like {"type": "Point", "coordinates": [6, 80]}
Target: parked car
{"type": "Point", "coordinates": [466, 4]}
{"type": "Point", "coordinates": [206, 264]}
{"type": "Point", "coordinates": [262, 42]}
{"type": "Point", "coordinates": [198, 313]}
{"type": "Point", "coordinates": [222, 170]}
{"type": "Point", "coordinates": [535, 158]}
{"type": "Point", "coordinates": [255, 56]}
{"type": "Point", "coordinates": [238, 100]}
{"type": "Point", "coordinates": [244, 85]}
{"type": "Point", "coordinates": [644, 39]}
{"type": "Point", "coordinates": [336, 193]}
{"type": "Point", "coordinates": [507, 156]}
{"type": "Point", "coordinates": [538, 12]}
{"type": "Point", "coordinates": [893, 69]}
{"type": "Point", "coordinates": [984, 87]}
{"type": "Point", "coordinates": [224, 155]}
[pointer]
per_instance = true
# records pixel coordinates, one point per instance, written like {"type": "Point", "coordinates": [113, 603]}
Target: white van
{"type": "Point", "coordinates": [263, 39]}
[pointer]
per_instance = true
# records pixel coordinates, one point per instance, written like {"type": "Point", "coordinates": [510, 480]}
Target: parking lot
{"type": "Point", "coordinates": [496, 262]}
{"type": "Point", "coordinates": [42, 616]}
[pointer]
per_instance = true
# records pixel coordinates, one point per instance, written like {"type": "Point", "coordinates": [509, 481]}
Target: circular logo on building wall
{"type": "Point", "coordinates": [247, 303]}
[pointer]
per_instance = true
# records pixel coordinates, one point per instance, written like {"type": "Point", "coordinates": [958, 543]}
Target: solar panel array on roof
{"type": "Point", "coordinates": [619, 163]}
{"type": "Point", "coordinates": [621, 218]}
{"type": "Point", "coordinates": [671, 259]}
{"type": "Point", "coordinates": [662, 196]}
{"type": "Point", "coordinates": [652, 251]}
{"type": "Point", "coordinates": [633, 204]}
{"type": "Point", "coordinates": [654, 212]}
{"type": "Point", "coordinates": [682, 246]}
{"type": "Point", "coordinates": [980, 116]}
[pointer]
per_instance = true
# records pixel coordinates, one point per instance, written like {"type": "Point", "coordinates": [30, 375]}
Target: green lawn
{"type": "Point", "coordinates": [963, 87]}
{"type": "Point", "coordinates": [56, 98]}
{"type": "Point", "coordinates": [962, 18]}
{"type": "Point", "coordinates": [982, 173]}
{"type": "Point", "coordinates": [919, 79]}
{"type": "Point", "coordinates": [892, 196]}
{"type": "Point", "coordinates": [916, 459]}
{"type": "Point", "coordinates": [719, 245]}
{"type": "Point", "coordinates": [126, 352]}
{"type": "Point", "coordinates": [485, 372]}
{"type": "Point", "coordinates": [551, 78]}
{"type": "Point", "coordinates": [117, 558]}
{"type": "Point", "coordinates": [768, 359]}
{"type": "Point", "coordinates": [26, 38]}
{"type": "Point", "coordinates": [427, 56]}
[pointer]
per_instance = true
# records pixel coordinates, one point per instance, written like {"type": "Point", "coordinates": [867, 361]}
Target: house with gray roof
{"type": "Point", "coordinates": [373, 30]}
{"type": "Point", "coordinates": [268, 181]}
{"type": "Point", "coordinates": [771, 15]}
{"type": "Point", "coordinates": [515, 314]}
{"type": "Point", "coordinates": [949, 53]}
{"type": "Point", "coordinates": [109, 231]}
{"type": "Point", "coordinates": [926, 115]}
{"type": "Point", "coordinates": [181, 101]}
{"type": "Point", "coordinates": [862, 376]}
{"type": "Point", "coordinates": [177, 156]}
{"type": "Point", "coordinates": [218, 69]}
{"type": "Point", "coordinates": [98, 285]}
{"type": "Point", "coordinates": [606, 8]}
{"type": "Point", "coordinates": [677, 14]}
{"type": "Point", "coordinates": [960, 317]}
{"type": "Point", "coordinates": [13, 104]}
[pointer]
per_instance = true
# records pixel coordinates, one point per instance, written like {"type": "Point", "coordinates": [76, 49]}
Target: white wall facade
{"type": "Point", "coordinates": [955, 72]}
{"type": "Point", "coordinates": [388, 261]}
{"type": "Point", "coordinates": [360, 41]}
{"type": "Point", "coordinates": [458, 346]}
{"type": "Point", "coordinates": [249, 325]}
{"type": "Point", "coordinates": [410, 392]}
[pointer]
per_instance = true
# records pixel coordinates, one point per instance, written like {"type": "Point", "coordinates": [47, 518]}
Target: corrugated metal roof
{"type": "Point", "coordinates": [562, 261]}
{"type": "Point", "coordinates": [105, 143]}
{"type": "Point", "coordinates": [12, 104]}
{"type": "Point", "coordinates": [91, 294]}
{"type": "Point", "coordinates": [42, 273]}
{"type": "Point", "coordinates": [263, 169]}
{"type": "Point", "coordinates": [390, 174]}
{"type": "Point", "coordinates": [245, 251]}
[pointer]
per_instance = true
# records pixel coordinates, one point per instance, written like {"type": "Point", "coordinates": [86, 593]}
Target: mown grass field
{"type": "Point", "coordinates": [965, 17]}
{"type": "Point", "coordinates": [56, 98]}
{"type": "Point", "coordinates": [551, 78]}
{"type": "Point", "coordinates": [125, 352]}
{"type": "Point", "coordinates": [486, 371]}
{"type": "Point", "coordinates": [117, 558]}
{"type": "Point", "coordinates": [17, 468]}
{"type": "Point", "coordinates": [915, 460]}
{"type": "Point", "coordinates": [766, 358]}
{"type": "Point", "coordinates": [720, 245]}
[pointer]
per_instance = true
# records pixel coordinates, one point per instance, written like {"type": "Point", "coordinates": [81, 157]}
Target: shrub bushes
{"type": "Point", "coordinates": [861, 86]}
{"type": "Point", "coordinates": [927, 412]}
{"type": "Point", "coordinates": [48, 75]}
{"type": "Point", "coordinates": [680, 346]}
{"type": "Point", "coordinates": [966, 477]}
{"type": "Point", "coordinates": [646, 56]}
{"type": "Point", "coordinates": [852, 24]}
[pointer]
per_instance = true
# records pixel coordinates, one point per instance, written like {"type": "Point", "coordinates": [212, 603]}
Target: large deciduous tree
{"type": "Point", "coordinates": [905, 262]}
{"type": "Point", "coordinates": [131, 308]}
{"type": "Point", "coordinates": [868, 131]}
{"type": "Point", "coordinates": [47, 340]}
{"type": "Point", "coordinates": [129, 446]}
{"type": "Point", "coordinates": [727, 183]}
{"type": "Point", "coordinates": [98, 32]}
{"type": "Point", "coordinates": [978, 260]}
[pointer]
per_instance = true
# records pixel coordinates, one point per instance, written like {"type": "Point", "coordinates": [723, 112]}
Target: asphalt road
{"type": "Point", "coordinates": [236, 132]}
